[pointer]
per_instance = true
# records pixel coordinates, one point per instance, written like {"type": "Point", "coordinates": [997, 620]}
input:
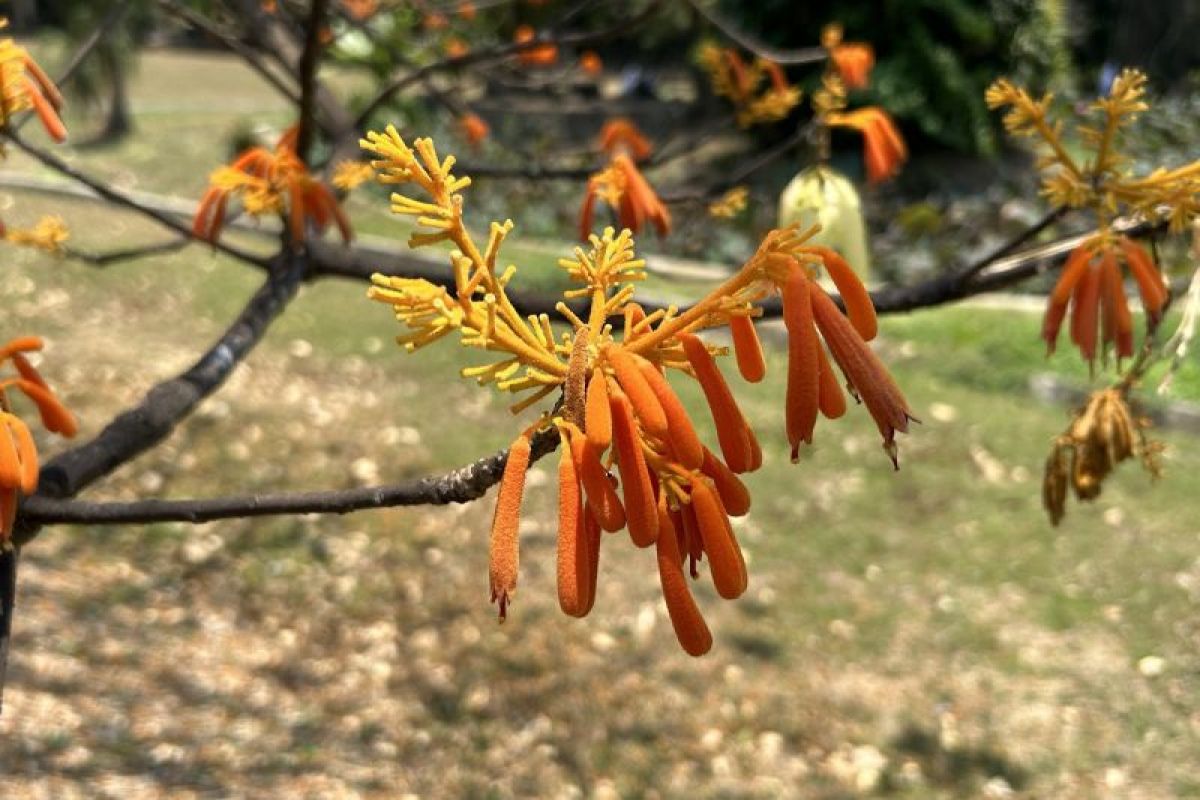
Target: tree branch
{"type": "Point", "coordinates": [127, 253]}
{"type": "Point", "coordinates": [805, 55]}
{"type": "Point", "coordinates": [461, 485]}
{"type": "Point", "coordinates": [125, 201]}
{"type": "Point", "coordinates": [167, 404]}
{"type": "Point", "coordinates": [235, 45]}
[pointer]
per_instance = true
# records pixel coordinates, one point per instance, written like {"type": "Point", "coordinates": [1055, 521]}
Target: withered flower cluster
{"type": "Point", "coordinates": [1104, 433]}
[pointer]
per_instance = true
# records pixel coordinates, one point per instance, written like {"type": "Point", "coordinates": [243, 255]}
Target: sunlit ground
{"type": "Point", "coordinates": [916, 634]}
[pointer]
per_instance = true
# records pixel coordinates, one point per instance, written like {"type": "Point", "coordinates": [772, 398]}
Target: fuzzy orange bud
{"type": "Point", "coordinates": [690, 628]}
{"type": "Point", "coordinates": [747, 348]}
{"type": "Point", "coordinates": [724, 556]}
{"type": "Point", "coordinates": [685, 444]}
{"type": "Point", "coordinates": [597, 414]}
{"type": "Point", "coordinates": [803, 392]}
{"type": "Point", "coordinates": [731, 426]}
{"type": "Point", "coordinates": [642, 398]}
{"type": "Point", "coordinates": [734, 494]}
{"type": "Point", "coordinates": [573, 568]}
{"type": "Point", "coordinates": [640, 512]}
{"type": "Point", "coordinates": [504, 552]}
{"type": "Point", "coordinates": [601, 497]}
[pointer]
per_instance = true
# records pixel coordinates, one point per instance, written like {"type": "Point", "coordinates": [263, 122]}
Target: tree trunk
{"type": "Point", "coordinates": [120, 120]}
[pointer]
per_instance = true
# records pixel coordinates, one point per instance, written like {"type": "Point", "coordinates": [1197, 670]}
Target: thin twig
{"type": "Point", "coordinates": [119, 198]}
{"type": "Point", "coordinates": [134, 431]}
{"type": "Point", "coordinates": [805, 55]}
{"type": "Point", "coordinates": [233, 43]}
{"type": "Point", "coordinates": [461, 485]}
{"type": "Point", "coordinates": [127, 253]}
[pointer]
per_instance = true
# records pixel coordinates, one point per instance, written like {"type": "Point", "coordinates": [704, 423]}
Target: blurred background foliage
{"type": "Point", "coordinates": [935, 57]}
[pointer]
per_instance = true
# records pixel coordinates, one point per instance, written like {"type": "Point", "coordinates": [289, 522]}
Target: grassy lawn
{"type": "Point", "coordinates": [921, 633]}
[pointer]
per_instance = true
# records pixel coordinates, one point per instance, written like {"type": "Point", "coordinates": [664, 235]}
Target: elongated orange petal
{"type": "Point", "coordinates": [690, 627]}
{"type": "Point", "coordinates": [859, 307]}
{"type": "Point", "coordinates": [866, 373]}
{"type": "Point", "coordinates": [734, 494]}
{"type": "Point", "coordinates": [573, 569]}
{"type": "Point", "coordinates": [10, 463]}
{"type": "Point", "coordinates": [597, 414]}
{"type": "Point", "coordinates": [504, 551]}
{"type": "Point", "coordinates": [55, 416]}
{"type": "Point", "coordinates": [1149, 279]}
{"type": "Point", "coordinates": [26, 452]}
{"type": "Point", "coordinates": [748, 349]}
{"type": "Point", "coordinates": [602, 499]}
{"type": "Point", "coordinates": [644, 401]}
{"type": "Point", "coordinates": [830, 398]}
{"type": "Point", "coordinates": [47, 87]}
{"type": "Point", "coordinates": [731, 427]}
{"type": "Point", "coordinates": [201, 228]}
{"type": "Point", "coordinates": [640, 513]}
{"type": "Point", "coordinates": [803, 381]}
{"type": "Point", "coordinates": [1122, 320]}
{"type": "Point", "coordinates": [8, 512]}
{"type": "Point", "coordinates": [878, 167]}
{"type": "Point", "coordinates": [591, 532]}
{"type": "Point", "coordinates": [724, 556]}
{"type": "Point", "coordinates": [587, 212]}
{"type": "Point", "coordinates": [1085, 315]}
{"type": "Point", "coordinates": [755, 448]}
{"type": "Point", "coordinates": [685, 444]}
{"type": "Point", "coordinates": [22, 344]}
{"type": "Point", "coordinates": [694, 542]}
{"type": "Point", "coordinates": [634, 314]}
{"type": "Point", "coordinates": [1056, 307]}
{"type": "Point", "coordinates": [46, 113]}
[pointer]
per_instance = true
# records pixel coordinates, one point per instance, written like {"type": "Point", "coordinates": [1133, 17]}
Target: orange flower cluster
{"type": "Point", "coordinates": [1091, 283]}
{"type": "Point", "coordinates": [23, 85]}
{"type": "Point", "coordinates": [853, 61]}
{"type": "Point", "coordinates": [543, 55]}
{"type": "Point", "coordinates": [590, 63]}
{"type": "Point", "coordinates": [630, 455]}
{"type": "Point", "coordinates": [622, 185]}
{"type": "Point", "coordinates": [474, 129]}
{"type": "Point", "coordinates": [883, 148]}
{"type": "Point", "coordinates": [361, 10]}
{"type": "Point", "coordinates": [743, 85]}
{"type": "Point", "coordinates": [271, 181]}
{"type": "Point", "coordinates": [455, 47]}
{"type": "Point", "coordinates": [18, 452]}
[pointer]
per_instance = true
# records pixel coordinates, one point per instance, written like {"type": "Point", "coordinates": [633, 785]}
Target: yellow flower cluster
{"type": "Point", "coordinates": [48, 234]}
{"type": "Point", "coordinates": [730, 204]}
{"type": "Point", "coordinates": [1104, 181]}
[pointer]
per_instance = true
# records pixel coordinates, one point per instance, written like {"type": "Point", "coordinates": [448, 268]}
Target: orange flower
{"type": "Point", "coordinates": [883, 148]}
{"type": "Point", "coordinates": [435, 21]}
{"type": "Point", "coordinates": [853, 62]}
{"type": "Point", "coordinates": [455, 47]}
{"type": "Point", "coordinates": [271, 181]}
{"type": "Point", "coordinates": [473, 129]}
{"type": "Point", "coordinates": [1091, 283]}
{"type": "Point", "coordinates": [24, 85]}
{"type": "Point", "coordinates": [812, 386]}
{"type": "Point", "coordinates": [361, 9]}
{"type": "Point", "coordinates": [467, 11]}
{"type": "Point", "coordinates": [622, 135]}
{"type": "Point", "coordinates": [18, 452]}
{"type": "Point", "coordinates": [624, 188]}
{"type": "Point", "coordinates": [590, 63]}
{"type": "Point", "coordinates": [543, 55]}
{"type": "Point", "coordinates": [504, 551]}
